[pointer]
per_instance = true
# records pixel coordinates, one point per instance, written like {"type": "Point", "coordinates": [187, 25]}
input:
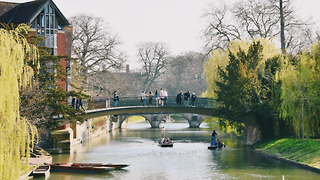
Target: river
{"type": "Point", "coordinates": [189, 158]}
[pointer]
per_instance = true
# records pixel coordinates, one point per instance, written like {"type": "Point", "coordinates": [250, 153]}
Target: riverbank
{"type": "Point", "coordinates": [292, 150]}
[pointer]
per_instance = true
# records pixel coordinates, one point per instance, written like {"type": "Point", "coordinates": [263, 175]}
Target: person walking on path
{"type": "Point", "coordinates": [213, 138]}
{"type": "Point", "coordinates": [165, 97]}
{"type": "Point", "coordinates": [161, 96]}
{"type": "Point", "coordinates": [77, 104]}
{"type": "Point", "coordinates": [143, 98]}
{"type": "Point", "coordinates": [186, 96]}
{"type": "Point", "coordinates": [193, 99]}
{"type": "Point", "coordinates": [179, 98]}
{"type": "Point", "coordinates": [157, 96]}
{"type": "Point", "coordinates": [116, 99]}
{"type": "Point", "coordinates": [80, 104]}
{"type": "Point", "coordinates": [73, 102]}
{"type": "Point", "coordinates": [150, 95]}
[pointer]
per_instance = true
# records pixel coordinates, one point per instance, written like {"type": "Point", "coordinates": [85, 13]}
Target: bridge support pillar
{"type": "Point", "coordinates": [155, 122]}
{"type": "Point", "coordinates": [194, 120]}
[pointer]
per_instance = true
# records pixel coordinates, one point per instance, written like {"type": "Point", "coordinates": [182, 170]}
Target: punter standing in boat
{"type": "Point", "coordinates": [213, 138]}
{"type": "Point", "coordinates": [162, 132]}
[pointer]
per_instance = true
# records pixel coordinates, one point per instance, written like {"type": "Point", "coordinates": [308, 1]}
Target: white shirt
{"type": "Point", "coordinates": [143, 95]}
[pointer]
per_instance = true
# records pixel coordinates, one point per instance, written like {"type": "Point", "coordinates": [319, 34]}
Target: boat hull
{"type": "Point", "coordinates": [41, 171]}
{"type": "Point", "coordinates": [71, 167]}
{"type": "Point", "coordinates": [166, 145]}
{"type": "Point", "coordinates": [114, 165]}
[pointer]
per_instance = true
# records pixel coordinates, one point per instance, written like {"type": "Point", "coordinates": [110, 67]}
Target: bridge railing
{"type": "Point", "coordinates": [171, 102]}
{"type": "Point", "coordinates": [136, 101]}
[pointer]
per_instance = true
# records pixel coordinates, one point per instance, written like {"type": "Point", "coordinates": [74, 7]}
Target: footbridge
{"type": "Point", "coordinates": [153, 111]}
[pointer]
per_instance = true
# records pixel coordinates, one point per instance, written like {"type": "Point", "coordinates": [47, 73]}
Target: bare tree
{"type": "Point", "coordinates": [94, 46]}
{"type": "Point", "coordinates": [153, 56]}
{"type": "Point", "coordinates": [185, 73]}
{"type": "Point", "coordinates": [257, 18]}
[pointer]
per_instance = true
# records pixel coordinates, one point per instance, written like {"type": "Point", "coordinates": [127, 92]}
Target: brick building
{"type": "Point", "coordinates": [46, 20]}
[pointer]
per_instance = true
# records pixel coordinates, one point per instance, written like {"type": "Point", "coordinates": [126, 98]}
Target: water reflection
{"type": "Point", "coordinates": [188, 159]}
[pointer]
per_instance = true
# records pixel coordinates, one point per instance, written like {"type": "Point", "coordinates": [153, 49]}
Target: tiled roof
{"type": "Point", "coordinates": [22, 13]}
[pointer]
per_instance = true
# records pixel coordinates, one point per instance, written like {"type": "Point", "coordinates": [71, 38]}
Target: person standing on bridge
{"type": "Point", "coordinates": [179, 98]}
{"type": "Point", "coordinates": [157, 96]}
{"type": "Point", "coordinates": [150, 95]}
{"type": "Point", "coordinates": [213, 138]}
{"type": "Point", "coordinates": [161, 96]}
{"type": "Point", "coordinates": [165, 97]}
{"type": "Point", "coordinates": [143, 98]}
{"type": "Point", "coordinates": [186, 96]}
{"type": "Point", "coordinates": [193, 99]}
{"type": "Point", "coordinates": [116, 99]}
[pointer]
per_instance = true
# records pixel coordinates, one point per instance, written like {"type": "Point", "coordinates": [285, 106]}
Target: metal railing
{"type": "Point", "coordinates": [136, 101]}
{"type": "Point", "coordinates": [171, 102]}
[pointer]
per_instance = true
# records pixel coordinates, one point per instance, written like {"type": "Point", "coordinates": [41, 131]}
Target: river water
{"type": "Point", "coordinates": [189, 158]}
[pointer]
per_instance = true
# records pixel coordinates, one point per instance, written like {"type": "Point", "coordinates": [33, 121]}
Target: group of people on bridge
{"type": "Point", "coordinates": [161, 98]}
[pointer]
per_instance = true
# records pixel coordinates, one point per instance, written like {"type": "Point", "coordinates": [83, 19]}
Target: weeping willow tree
{"type": "Point", "coordinates": [15, 132]}
{"type": "Point", "coordinates": [300, 92]}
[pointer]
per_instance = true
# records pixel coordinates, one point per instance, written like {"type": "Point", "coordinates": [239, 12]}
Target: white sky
{"type": "Point", "coordinates": [175, 22]}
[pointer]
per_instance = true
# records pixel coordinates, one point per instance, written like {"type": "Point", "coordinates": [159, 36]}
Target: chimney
{"type": "Point", "coordinates": [127, 68]}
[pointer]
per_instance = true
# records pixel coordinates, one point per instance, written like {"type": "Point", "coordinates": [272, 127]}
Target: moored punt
{"type": "Point", "coordinates": [70, 167]}
{"type": "Point", "coordinates": [114, 165]}
{"type": "Point", "coordinates": [41, 171]}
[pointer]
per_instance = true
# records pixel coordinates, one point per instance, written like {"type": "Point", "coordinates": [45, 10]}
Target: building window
{"type": "Point", "coordinates": [52, 22]}
{"type": "Point", "coordinates": [42, 21]}
{"type": "Point", "coordinates": [47, 9]}
{"type": "Point", "coordinates": [51, 10]}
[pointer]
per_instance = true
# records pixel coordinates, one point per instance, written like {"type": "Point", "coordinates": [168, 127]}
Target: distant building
{"type": "Point", "coordinates": [46, 20]}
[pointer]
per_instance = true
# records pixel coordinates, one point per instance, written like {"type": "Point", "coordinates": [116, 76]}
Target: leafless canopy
{"type": "Point", "coordinates": [94, 46]}
{"type": "Point", "coordinates": [254, 19]}
{"type": "Point", "coordinates": [153, 56]}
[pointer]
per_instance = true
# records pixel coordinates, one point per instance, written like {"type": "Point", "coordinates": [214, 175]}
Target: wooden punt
{"type": "Point", "coordinates": [79, 168]}
{"type": "Point", "coordinates": [114, 165]}
{"type": "Point", "coordinates": [215, 147]}
{"type": "Point", "coordinates": [166, 145]}
{"type": "Point", "coordinates": [41, 171]}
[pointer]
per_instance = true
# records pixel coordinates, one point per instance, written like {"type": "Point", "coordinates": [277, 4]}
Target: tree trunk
{"type": "Point", "coordinates": [282, 39]}
{"type": "Point", "coordinates": [302, 121]}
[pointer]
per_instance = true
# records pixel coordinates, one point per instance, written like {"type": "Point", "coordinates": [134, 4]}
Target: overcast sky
{"type": "Point", "coordinates": [175, 22]}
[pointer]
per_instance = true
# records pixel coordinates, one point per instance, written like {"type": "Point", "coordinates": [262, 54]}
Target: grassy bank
{"type": "Point", "coordinates": [292, 149]}
{"type": "Point", "coordinates": [133, 119]}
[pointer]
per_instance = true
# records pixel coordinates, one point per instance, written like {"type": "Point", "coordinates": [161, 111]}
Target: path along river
{"type": "Point", "coordinates": [188, 159]}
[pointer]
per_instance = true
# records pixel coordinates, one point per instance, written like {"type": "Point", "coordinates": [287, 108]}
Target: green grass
{"type": "Point", "coordinates": [133, 119]}
{"type": "Point", "coordinates": [293, 149]}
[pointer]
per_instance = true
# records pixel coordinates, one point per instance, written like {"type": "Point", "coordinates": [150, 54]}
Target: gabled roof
{"type": "Point", "coordinates": [26, 12]}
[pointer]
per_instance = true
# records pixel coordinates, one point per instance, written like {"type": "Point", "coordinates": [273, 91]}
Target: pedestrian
{"type": "Point", "coordinates": [157, 96]}
{"type": "Point", "coordinates": [186, 96]}
{"type": "Point", "coordinates": [80, 104]}
{"type": "Point", "coordinates": [73, 102]}
{"type": "Point", "coordinates": [150, 95]}
{"type": "Point", "coordinates": [116, 99]}
{"type": "Point", "coordinates": [213, 138]}
{"type": "Point", "coordinates": [77, 104]}
{"type": "Point", "coordinates": [179, 98]}
{"type": "Point", "coordinates": [193, 99]}
{"type": "Point", "coordinates": [161, 96]}
{"type": "Point", "coordinates": [143, 98]}
{"type": "Point", "coordinates": [165, 97]}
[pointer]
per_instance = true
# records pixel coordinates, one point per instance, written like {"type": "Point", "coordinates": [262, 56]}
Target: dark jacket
{"type": "Point", "coordinates": [179, 98]}
{"type": "Point", "coordinates": [193, 98]}
{"type": "Point", "coordinates": [186, 96]}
